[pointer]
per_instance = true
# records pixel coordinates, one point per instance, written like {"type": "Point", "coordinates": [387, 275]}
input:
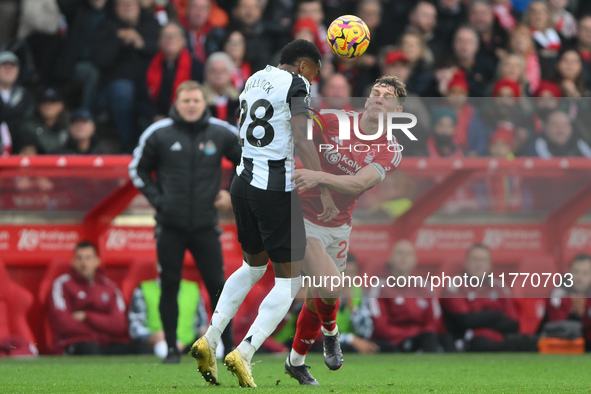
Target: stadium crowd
{"type": "Point", "coordinates": [114, 65]}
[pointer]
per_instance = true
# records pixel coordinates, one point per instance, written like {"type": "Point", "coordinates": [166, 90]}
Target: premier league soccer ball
{"type": "Point", "coordinates": [348, 36]}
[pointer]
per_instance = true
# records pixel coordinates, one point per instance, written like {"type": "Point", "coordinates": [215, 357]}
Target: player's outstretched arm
{"type": "Point", "coordinates": [366, 178]}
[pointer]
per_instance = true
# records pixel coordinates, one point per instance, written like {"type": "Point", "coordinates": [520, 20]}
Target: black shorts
{"type": "Point", "coordinates": [269, 220]}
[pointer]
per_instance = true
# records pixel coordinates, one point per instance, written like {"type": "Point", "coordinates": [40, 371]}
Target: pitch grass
{"type": "Point", "coordinates": [384, 373]}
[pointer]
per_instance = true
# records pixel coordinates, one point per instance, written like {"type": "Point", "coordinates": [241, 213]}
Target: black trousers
{"type": "Point", "coordinates": [206, 249]}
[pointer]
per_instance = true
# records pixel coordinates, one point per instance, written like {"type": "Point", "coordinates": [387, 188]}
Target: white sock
{"type": "Point", "coordinates": [272, 310]}
{"type": "Point", "coordinates": [235, 290]}
{"type": "Point", "coordinates": [296, 359]}
{"type": "Point", "coordinates": [247, 350]}
{"type": "Point", "coordinates": [330, 333]}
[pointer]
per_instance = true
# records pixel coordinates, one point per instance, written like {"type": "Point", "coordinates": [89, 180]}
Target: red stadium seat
{"type": "Point", "coordinates": [15, 302]}
{"type": "Point", "coordinates": [55, 269]}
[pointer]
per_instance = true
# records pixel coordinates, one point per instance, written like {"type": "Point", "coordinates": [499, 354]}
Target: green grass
{"type": "Point", "coordinates": [446, 373]}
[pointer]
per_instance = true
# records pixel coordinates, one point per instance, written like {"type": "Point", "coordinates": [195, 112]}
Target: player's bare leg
{"type": "Point", "coordinates": [272, 310]}
{"type": "Point", "coordinates": [235, 290]}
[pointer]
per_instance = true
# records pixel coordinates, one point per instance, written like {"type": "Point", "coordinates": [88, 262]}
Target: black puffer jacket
{"type": "Point", "coordinates": [186, 158]}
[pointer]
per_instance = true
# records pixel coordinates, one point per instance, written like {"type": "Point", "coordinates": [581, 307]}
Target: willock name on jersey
{"type": "Point", "coordinates": [265, 130]}
{"type": "Point", "coordinates": [346, 160]}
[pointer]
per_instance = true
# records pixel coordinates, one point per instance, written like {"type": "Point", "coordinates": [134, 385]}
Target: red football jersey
{"type": "Point", "coordinates": [347, 157]}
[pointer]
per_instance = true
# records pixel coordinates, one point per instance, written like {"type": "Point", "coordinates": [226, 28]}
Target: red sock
{"type": "Point", "coordinates": [327, 313]}
{"type": "Point", "coordinates": [307, 330]}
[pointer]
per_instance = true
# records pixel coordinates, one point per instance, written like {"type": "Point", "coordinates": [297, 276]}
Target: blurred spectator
{"type": "Point", "coordinates": [220, 94]}
{"type": "Point", "coordinates": [247, 17]}
{"type": "Point", "coordinates": [336, 93]}
{"type": "Point", "coordinates": [504, 113]}
{"type": "Point", "coordinates": [567, 302]}
{"type": "Point", "coordinates": [354, 322]}
{"type": "Point", "coordinates": [281, 16]}
{"type": "Point", "coordinates": [521, 42]}
{"type": "Point", "coordinates": [420, 60]}
{"type": "Point", "coordinates": [234, 44]}
{"type": "Point", "coordinates": [312, 9]}
{"type": "Point", "coordinates": [500, 144]}
{"type": "Point", "coordinates": [162, 10]}
{"type": "Point", "coordinates": [82, 139]}
{"type": "Point", "coordinates": [482, 318]}
{"type": "Point", "coordinates": [564, 21]}
{"type": "Point", "coordinates": [571, 303]}
{"type": "Point", "coordinates": [570, 76]}
{"type": "Point", "coordinates": [41, 16]}
{"type": "Point", "coordinates": [171, 66]}
{"type": "Point", "coordinates": [583, 45]}
{"type": "Point", "coordinates": [493, 38]}
{"type": "Point", "coordinates": [479, 68]}
{"type": "Point", "coordinates": [145, 325]}
{"type": "Point", "coordinates": [547, 99]}
{"type": "Point", "coordinates": [14, 142]}
{"type": "Point", "coordinates": [505, 15]}
{"type": "Point", "coordinates": [9, 10]}
{"type": "Point", "coordinates": [422, 20]}
{"type": "Point", "coordinates": [559, 139]}
{"type": "Point", "coordinates": [394, 62]}
{"type": "Point", "coordinates": [204, 38]}
{"type": "Point", "coordinates": [18, 103]}
{"type": "Point", "coordinates": [74, 63]}
{"type": "Point", "coordinates": [86, 310]}
{"type": "Point", "coordinates": [405, 318]}
{"type": "Point", "coordinates": [49, 123]}
{"type": "Point", "coordinates": [305, 29]}
{"type": "Point", "coordinates": [370, 11]}
{"type": "Point", "coordinates": [457, 97]}
{"type": "Point", "coordinates": [548, 42]}
{"type": "Point", "coordinates": [123, 46]}
{"type": "Point", "coordinates": [512, 66]}
{"type": "Point", "coordinates": [441, 143]}
{"type": "Point", "coordinates": [450, 15]}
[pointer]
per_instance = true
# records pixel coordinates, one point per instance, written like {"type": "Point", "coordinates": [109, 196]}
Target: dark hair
{"type": "Point", "coordinates": [396, 83]}
{"type": "Point", "coordinates": [580, 257]}
{"type": "Point", "coordinates": [86, 244]}
{"type": "Point", "coordinates": [299, 50]}
{"type": "Point", "coordinates": [477, 246]}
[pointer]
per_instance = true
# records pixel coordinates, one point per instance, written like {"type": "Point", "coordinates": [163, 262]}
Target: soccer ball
{"type": "Point", "coordinates": [348, 36]}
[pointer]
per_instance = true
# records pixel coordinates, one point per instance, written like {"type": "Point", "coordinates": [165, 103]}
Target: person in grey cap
{"type": "Point", "coordinates": [18, 103]}
{"type": "Point", "coordinates": [82, 139]}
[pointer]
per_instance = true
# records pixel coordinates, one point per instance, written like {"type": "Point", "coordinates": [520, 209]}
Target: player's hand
{"type": "Point", "coordinates": [330, 209]}
{"type": "Point", "coordinates": [223, 201]}
{"type": "Point", "coordinates": [307, 179]}
{"type": "Point", "coordinates": [364, 346]}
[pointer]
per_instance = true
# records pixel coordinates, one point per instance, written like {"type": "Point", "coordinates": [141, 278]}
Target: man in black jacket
{"type": "Point", "coordinates": [122, 48]}
{"type": "Point", "coordinates": [185, 152]}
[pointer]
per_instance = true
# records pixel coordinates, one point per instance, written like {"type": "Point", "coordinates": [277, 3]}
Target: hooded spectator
{"type": "Point", "coordinates": [81, 139]}
{"type": "Point", "coordinates": [48, 124]}
{"type": "Point", "coordinates": [441, 143]}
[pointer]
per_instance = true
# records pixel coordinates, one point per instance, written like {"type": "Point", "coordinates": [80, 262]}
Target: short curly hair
{"type": "Point", "coordinates": [299, 49]}
{"type": "Point", "coordinates": [395, 82]}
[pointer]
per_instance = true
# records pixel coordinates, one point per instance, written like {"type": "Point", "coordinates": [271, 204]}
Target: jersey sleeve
{"type": "Point", "coordinates": [299, 88]}
{"type": "Point", "coordinates": [386, 161]}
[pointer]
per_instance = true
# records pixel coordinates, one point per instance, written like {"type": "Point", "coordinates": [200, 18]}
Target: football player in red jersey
{"type": "Point", "coordinates": [349, 167]}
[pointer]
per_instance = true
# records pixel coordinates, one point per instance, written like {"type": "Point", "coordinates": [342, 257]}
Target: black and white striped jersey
{"type": "Point", "coordinates": [265, 130]}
